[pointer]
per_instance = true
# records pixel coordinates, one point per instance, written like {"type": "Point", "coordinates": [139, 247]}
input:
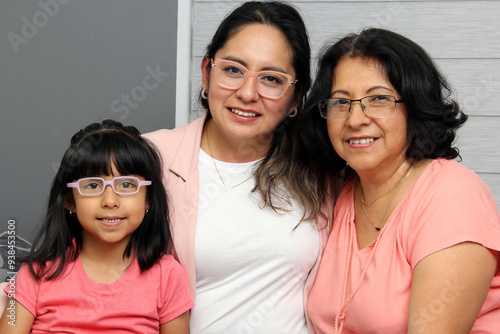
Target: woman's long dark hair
{"type": "Point", "coordinates": [284, 164]}
{"type": "Point", "coordinates": [93, 152]}
{"type": "Point", "coordinates": [433, 117]}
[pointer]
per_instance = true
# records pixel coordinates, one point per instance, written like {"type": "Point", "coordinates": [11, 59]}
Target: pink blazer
{"type": "Point", "coordinates": [179, 149]}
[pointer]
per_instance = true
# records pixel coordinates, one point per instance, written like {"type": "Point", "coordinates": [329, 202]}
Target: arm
{"type": "Point", "coordinates": [179, 325]}
{"type": "Point", "coordinates": [449, 288]}
{"type": "Point", "coordinates": [16, 319]}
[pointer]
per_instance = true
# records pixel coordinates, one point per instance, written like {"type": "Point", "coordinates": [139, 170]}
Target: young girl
{"type": "Point", "coordinates": [98, 262]}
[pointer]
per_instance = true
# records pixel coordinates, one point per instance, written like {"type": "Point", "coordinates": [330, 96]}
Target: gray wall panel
{"type": "Point", "coordinates": [65, 64]}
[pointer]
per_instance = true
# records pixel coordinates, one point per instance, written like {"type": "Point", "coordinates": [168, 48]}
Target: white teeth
{"type": "Point", "coordinates": [361, 141]}
{"type": "Point", "coordinates": [243, 113]}
{"type": "Point", "coordinates": [111, 220]}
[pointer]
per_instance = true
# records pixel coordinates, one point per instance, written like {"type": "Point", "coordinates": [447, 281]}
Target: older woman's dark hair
{"type": "Point", "coordinates": [433, 117]}
{"type": "Point", "coordinates": [93, 152]}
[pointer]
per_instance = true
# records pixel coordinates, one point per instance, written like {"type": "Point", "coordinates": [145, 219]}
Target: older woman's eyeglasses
{"type": "Point", "coordinates": [121, 185]}
{"type": "Point", "coordinates": [269, 84]}
{"type": "Point", "coordinates": [373, 106]}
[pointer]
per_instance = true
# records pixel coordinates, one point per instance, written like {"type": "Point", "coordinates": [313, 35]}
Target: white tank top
{"type": "Point", "coordinates": [251, 264]}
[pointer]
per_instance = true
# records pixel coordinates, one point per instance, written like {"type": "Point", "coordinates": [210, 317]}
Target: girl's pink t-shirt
{"type": "Point", "coordinates": [447, 205]}
{"type": "Point", "coordinates": [135, 303]}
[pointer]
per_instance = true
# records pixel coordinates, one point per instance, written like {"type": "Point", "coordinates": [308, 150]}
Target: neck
{"type": "Point", "coordinates": [104, 253]}
{"type": "Point", "coordinates": [376, 185]}
{"type": "Point", "coordinates": [229, 149]}
{"type": "Point", "coordinates": [104, 264]}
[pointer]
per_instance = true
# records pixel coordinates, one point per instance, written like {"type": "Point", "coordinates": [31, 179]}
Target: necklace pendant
{"type": "Point", "coordinates": [377, 229]}
{"type": "Point", "coordinates": [226, 188]}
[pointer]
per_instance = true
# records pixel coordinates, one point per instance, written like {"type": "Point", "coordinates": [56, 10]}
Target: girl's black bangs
{"type": "Point", "coordinates": [97, 154]}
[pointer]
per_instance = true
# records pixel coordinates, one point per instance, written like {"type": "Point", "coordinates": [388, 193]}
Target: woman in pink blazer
{"type": "Point", "coordinates": [245, 208]}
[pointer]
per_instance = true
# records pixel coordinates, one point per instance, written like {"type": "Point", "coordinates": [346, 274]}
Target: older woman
{"type": "Point", "coordinates": [416, 236]}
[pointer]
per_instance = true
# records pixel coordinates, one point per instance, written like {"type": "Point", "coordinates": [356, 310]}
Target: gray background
{"type": "Point", "coordinates": [65, 64]}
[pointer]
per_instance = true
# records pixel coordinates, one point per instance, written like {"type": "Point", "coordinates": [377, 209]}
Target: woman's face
{"type": "Point", "coordinates": [371, 145]}
{"type": "Point", "coordinates": [242, 114]}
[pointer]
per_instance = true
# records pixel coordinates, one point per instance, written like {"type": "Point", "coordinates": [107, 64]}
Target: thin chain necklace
{"type": "Point", "coordinates": [225, 187]}
{"type": "Point", "coordinates": [363, 203]}
{"type": "Point", "coordinates": [376, 199]}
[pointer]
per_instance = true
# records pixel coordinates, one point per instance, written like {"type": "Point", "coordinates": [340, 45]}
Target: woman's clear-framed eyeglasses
{"type": "Point", "coordinates": [373, 106]}
{"type": "Point", "coordinates": [121, 185]}
{"type": "Point", "coordinates": [269, 84]}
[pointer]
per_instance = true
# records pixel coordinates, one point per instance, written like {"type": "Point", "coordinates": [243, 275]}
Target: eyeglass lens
{"type": "Point", "coordinates": [269, 83]}
{"type": "Point", "coordinates": [121, 185]}
{"type": "Point", "coordinates": [373, 106]}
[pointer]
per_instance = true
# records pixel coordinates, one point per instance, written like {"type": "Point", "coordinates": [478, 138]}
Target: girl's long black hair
{"type": "Point", "coordinates": [93, 152]}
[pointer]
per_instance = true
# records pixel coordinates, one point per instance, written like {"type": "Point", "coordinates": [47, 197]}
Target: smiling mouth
{"type": "Point", "coordinates": [110, 221]}
{"type": "Point", "coordinates": [243, 113]}
{"type": "Point", "coordinates": [361, 141]}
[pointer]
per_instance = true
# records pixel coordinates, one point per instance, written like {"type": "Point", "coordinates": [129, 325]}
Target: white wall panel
{"type": "Point", "coordinates": [476, 83]}
{"type": "Point", "coordinates": [446, 29]}
{"type": "Point", "coordinates": [493, 181]}
{"type": "Point", "coordinates": [478, 144]}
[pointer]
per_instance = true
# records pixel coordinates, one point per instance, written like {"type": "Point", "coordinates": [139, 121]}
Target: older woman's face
{"type": "Point", "coordinates": [368, 145]}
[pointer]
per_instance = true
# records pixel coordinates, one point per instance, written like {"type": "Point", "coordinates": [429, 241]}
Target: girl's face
{"type": "Point", "coordinates": [242, 114]}
{"type": "Point", "coordinates": [367, 144]}
{"type": "Point", "coordinates": [109, 218]}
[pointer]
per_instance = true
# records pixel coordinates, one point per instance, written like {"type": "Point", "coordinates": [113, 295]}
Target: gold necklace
{"type": "Point", "coordinates": [376, 199]}
{"type": "Point", "coordinates": [401, 180]}
{"type": "Point", "coordinates": [225, 187]}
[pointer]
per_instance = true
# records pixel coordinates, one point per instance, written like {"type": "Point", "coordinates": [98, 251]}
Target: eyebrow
{"type": "Point", "coordinates": [368, 91]}
{"type": "Point", "coordinates": [270, 68]}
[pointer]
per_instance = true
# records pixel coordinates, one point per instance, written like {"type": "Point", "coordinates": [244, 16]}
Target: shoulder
{"type": "Point", "coordinates": [166, 136]}
{"type": "Point", "coordinates": [173, 279]}
{"type": "Point", "coordinates": [448, 204]}
{"type": "Point", "coordinates": [169, 266]}
{"type": "Point", "coordinates": [169, 136]}
{"type": "Point", "coordinates": [450, 178]}
{"type": "Point", "coordinates": [164, 274]}
{"type": "Point", "coordinates": [449, 169]}
{"type": "Point", "coordinates": [24, 273]}
{"type": "Point", "coordinates": [168, 260]}
{"type": "Point", "coordinates": [174, 294]}
{"type": "Point", "coordinates": [182, 141]}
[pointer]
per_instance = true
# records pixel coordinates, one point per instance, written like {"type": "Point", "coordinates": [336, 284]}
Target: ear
{"type": "Point", "coordinates": [295, 104]}
{"type": "Point", "coordinates": [205, 73]}
{"type": "Point", "coordinates": [69, 203]}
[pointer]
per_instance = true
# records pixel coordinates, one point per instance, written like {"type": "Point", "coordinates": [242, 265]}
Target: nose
{"type": "Point", "coordinates": [109, 198]}
{"type": "Point", "coordinates": [357, 116]}
{"type": "Point", "coordinates": [248, 91]}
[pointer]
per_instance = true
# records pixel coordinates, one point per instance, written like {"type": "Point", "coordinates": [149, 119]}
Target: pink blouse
{"type": "Point", "coordinates": [448, 205]}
